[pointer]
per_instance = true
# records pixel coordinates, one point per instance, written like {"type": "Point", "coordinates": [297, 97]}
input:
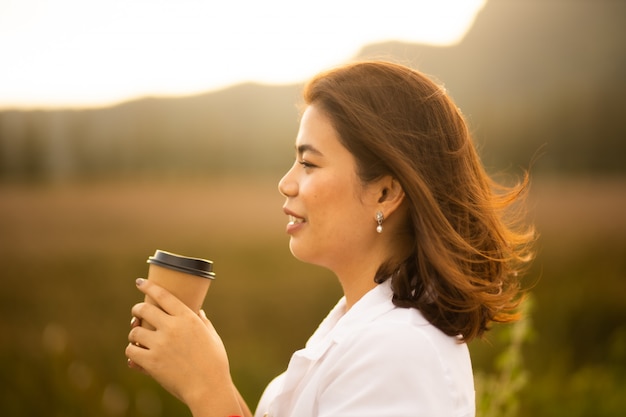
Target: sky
{"type": "Point", "coordinates": [92, 53]}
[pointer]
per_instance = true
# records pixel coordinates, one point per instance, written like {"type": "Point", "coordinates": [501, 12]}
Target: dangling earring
{"type": "Point", "coordinates": [379, 220]}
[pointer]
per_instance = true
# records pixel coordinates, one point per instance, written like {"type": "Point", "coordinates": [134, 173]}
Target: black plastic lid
{"type": "Point", "coordinates": [194, 266]}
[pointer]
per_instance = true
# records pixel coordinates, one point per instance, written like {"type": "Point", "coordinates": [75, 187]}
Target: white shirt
{"type": "Point", "coordinates": [375, 360]}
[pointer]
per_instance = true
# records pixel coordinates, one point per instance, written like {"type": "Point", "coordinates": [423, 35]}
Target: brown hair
{"type": "Point", "coordinates": [463, 269]}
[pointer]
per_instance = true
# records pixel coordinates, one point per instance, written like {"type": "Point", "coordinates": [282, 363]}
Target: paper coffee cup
{"type": "Point", "coordinates": [186, 278]}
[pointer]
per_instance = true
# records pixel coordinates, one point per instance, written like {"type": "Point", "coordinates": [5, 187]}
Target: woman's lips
{"type": "Point", "coordinates": [294, 223]}
{"type": "Point", "coordinates": [295, 220]}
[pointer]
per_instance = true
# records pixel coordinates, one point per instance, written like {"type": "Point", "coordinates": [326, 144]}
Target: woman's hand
{"type": "Point", "coordinates": [183, 353]}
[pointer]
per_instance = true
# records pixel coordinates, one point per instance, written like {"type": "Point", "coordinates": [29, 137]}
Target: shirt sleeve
{"type": "Point", "coordinates": [397, 370]}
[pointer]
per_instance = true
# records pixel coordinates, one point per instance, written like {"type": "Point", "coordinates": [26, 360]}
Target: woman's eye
{"type": "Point", "coordinates": [306, 164]}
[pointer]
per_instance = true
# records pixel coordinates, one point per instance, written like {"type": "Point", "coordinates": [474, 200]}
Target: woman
{"type": "Point", "coordinates": [387, 191]}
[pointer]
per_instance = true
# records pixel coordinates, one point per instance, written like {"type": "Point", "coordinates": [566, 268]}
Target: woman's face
{"type": "Point", "coordinates": [331, 219]}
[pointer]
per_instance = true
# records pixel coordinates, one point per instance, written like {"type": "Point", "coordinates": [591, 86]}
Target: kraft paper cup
{"type": "Point", "coordinates": [186, 278]}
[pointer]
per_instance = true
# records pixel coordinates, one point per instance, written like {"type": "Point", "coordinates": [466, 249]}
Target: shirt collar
{"type": "Point", "coordinates": [340, 323]}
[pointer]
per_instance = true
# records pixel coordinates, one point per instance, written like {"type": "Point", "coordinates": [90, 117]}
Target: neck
{"type": "Point", "coordinates": [356, 275]}
{"type": "Point", "coordinates": [356, 281]}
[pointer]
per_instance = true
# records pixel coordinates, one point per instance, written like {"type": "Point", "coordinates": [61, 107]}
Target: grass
{"type": "Point", "coordinates": [70, 254]}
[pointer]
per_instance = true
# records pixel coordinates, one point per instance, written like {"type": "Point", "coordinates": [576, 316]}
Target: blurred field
{"type": "Point", "coordinates": [70, 253]}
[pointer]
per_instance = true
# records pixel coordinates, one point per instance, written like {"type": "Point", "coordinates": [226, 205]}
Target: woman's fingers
{"type": "Point", "coordinates": [133, 365]}
{"type": "Point", "coordinates": [159, 304]}
{"type": "Point", "coordinates": [163, 298]}
{"type": "Point", "coordinates": [136, 356]}
{"type": "Point", "coordinates": [142, 337]}
{"type": "Point", "coordinates": [134, 322]}
{"type": "Point", "coordinates": [149, 313]}
{"type": "Point", "coordinates": [183, 352]}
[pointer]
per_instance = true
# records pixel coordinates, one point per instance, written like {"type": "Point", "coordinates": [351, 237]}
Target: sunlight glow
{"type": "Point", "coordinates": [92, 53]}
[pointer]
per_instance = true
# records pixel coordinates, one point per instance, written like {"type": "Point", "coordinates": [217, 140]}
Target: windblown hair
{"type": "Point", "coordinates": [469, 245]}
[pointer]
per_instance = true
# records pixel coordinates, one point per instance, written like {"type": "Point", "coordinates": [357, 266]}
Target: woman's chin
{"type": "Point", "coordinates": [299, 252]}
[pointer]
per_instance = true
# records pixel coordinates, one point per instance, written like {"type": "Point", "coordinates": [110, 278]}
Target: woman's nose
{"type": "Point", "coordinates": [287, 185]}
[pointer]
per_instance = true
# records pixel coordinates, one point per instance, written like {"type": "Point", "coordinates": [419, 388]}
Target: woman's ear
{"type": "Point", "coordinates": [391, 195]}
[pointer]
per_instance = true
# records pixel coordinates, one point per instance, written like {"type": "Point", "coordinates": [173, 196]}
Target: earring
{"type": "Point", "coordinates": [379, 220]}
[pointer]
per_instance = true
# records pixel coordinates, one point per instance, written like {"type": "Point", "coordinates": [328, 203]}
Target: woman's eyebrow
{"type": "Point", "coordinates": [308, 148]}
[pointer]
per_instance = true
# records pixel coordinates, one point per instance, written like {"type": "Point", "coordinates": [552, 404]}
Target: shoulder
{"type": "Point", "coordinates": [405, 334]}
{"type": "Point", "coordinates": [401, 359]}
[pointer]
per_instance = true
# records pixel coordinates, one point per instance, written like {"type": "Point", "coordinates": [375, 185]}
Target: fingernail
{"type": "Point", "coordinates": [133, 321]}
{"type": "Point", "coordinates": [203, 314]}
{"type": "Point", "coordinates": [139, 281]}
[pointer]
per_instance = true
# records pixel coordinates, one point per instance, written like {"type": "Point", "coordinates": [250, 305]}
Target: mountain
{"type": "Point", "coordinates": [534, 78]}
{"type": "Point", "coordinates": [244, 129]}
{"type": "Point", "coordinates": [538, 78]}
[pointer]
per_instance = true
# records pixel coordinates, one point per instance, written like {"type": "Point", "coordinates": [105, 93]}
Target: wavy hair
{"type": "Point", "coordinates": [469, 244]}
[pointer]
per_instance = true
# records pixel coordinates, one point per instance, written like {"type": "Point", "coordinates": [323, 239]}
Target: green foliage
{"type": "Point", "coordinates": [497, 393]}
